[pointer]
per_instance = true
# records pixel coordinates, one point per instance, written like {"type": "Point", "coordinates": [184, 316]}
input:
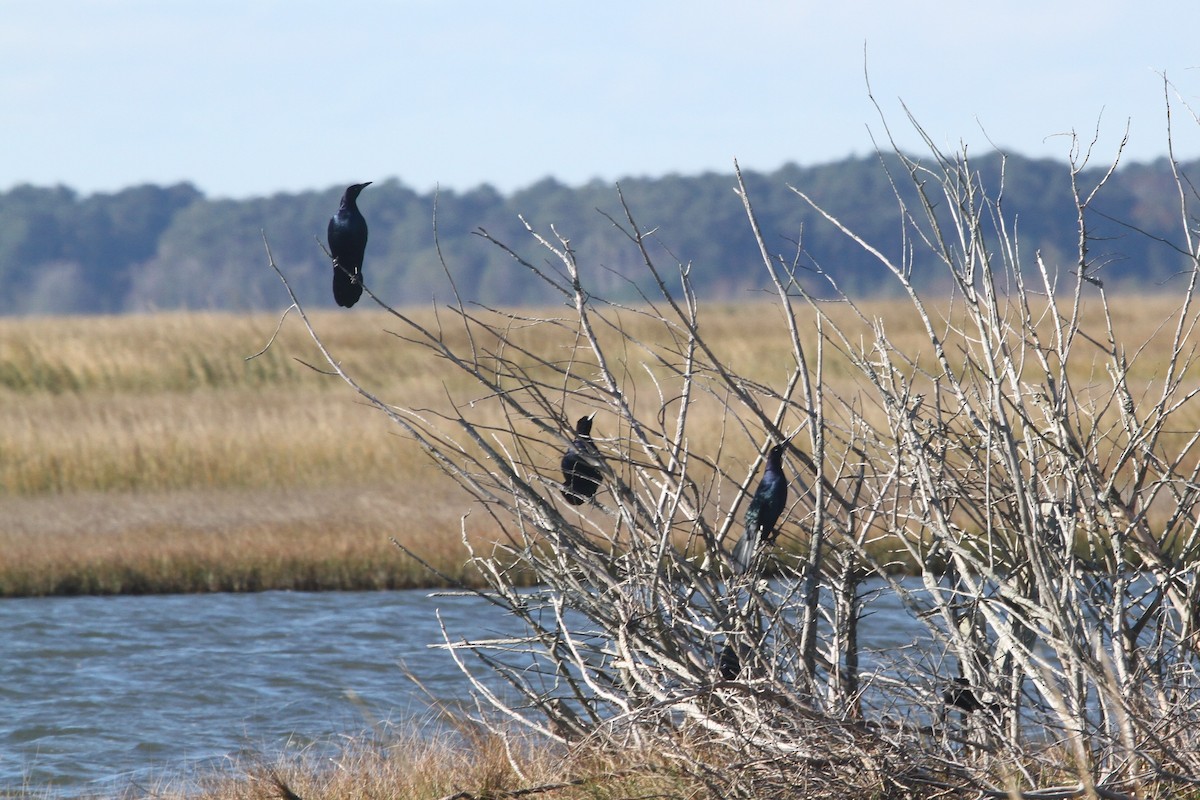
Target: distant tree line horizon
{"type": "Point", "coordinates": [150, 248]}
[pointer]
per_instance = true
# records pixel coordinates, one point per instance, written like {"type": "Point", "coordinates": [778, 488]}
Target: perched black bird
{"type": "Point", "coordinates": [765, 507]}
{"type": "Point", "coordinates": [729, 663]}
{"type": "Point", "coordinates": [962, 696]}
{"type": "Point", "coordinates": [347, 243]}
{"type": "Point", "coordinates": [581, 477]}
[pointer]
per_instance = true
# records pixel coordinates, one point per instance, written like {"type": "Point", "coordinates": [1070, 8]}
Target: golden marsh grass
{"type": "Point", "coordinates": [464, 763]}
{"type": "Point", "coordinates": [145, 453]}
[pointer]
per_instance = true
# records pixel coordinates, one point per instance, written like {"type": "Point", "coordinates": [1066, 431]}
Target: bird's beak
{"type": "Point", "coordinates": [592, 416]}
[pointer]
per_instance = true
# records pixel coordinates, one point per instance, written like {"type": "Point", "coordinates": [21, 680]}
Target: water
{"type": "Point", "coordinates": [98, 693]}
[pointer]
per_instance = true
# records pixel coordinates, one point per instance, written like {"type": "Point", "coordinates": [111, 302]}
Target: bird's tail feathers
{"type": "Point", "coordinates": [346, 288]}
{"type": "Point", "coordinates": [743, 552]}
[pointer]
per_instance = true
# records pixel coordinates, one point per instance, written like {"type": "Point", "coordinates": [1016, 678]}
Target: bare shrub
{"type": "Point", "coordinates": [1034, 474]}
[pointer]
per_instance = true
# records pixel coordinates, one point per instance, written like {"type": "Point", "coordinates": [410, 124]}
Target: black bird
{"type": "Point", "coordinates": [581, 477]}
{"type": "Point", "coordinates": [347, 243]}
{"type": "Point", "coordinates": [765, 507]}
{"type": "Point", "coordinates": [729, 663]}
{"type": "Point", "coordinates": [962, 696]}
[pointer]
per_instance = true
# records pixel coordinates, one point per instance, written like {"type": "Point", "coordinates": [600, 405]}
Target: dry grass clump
{"type": "Point", "coordinates": [467, 762]}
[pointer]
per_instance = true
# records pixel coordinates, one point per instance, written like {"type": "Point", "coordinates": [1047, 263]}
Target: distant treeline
{"type": "Point", "coordinates": [152, 247]}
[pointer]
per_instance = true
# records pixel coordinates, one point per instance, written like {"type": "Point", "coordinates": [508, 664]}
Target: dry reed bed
{"type": "Point", "coordinates": [200, 541]}
{"type": "Point", "coordinates": [464, 763]}
{"type": "Point", "coordinates": [146, 453]}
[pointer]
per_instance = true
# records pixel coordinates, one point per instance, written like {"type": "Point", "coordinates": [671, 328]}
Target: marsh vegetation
{"type": "Point", "coordinates": [144, 453]}
{"type": "Point", "coordinates": [1009, 446]}
{"type": "Point", "coordinates": [1023, 442]}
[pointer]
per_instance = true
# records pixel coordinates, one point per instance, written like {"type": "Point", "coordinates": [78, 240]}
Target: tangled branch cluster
{"type": "Point", "coordinates": [1012, 477]}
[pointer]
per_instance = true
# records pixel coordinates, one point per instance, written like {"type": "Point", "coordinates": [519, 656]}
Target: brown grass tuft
{"type": "Point", "coordinates": [463, 764]}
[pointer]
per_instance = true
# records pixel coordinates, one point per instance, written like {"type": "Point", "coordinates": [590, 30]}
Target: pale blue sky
{"type": "Point", "coordinates": [248, 98]}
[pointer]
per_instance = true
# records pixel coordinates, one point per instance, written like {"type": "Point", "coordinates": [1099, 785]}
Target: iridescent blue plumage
{"type": "Point", "coordinates": [765, 508]}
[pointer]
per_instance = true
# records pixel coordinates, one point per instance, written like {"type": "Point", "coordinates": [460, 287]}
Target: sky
{"type": "Point", "coordinates": [254, 97]}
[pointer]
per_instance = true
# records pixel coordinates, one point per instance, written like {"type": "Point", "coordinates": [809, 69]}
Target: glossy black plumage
{"type": "Point", "coordinates": [581, 477]}
{"type": "Point", "coordinates": [765, 507]}
{"type": "Point", "coordinates": [347, 243]}
{"type": "Point", "coordinates": [963, 697]}
{"type": "Point", "coordinates": [729, 663]}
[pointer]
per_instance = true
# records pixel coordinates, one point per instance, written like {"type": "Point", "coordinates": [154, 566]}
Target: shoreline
{"type": "Point", "coordinates": [197, 541]}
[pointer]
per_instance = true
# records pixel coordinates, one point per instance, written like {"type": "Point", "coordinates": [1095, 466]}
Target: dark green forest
{"type": "Point", "coordinates": [157, 248]}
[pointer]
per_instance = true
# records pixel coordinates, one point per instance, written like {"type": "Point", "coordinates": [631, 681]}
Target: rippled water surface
{"type": "Point", "coordinates": [97, 693]}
